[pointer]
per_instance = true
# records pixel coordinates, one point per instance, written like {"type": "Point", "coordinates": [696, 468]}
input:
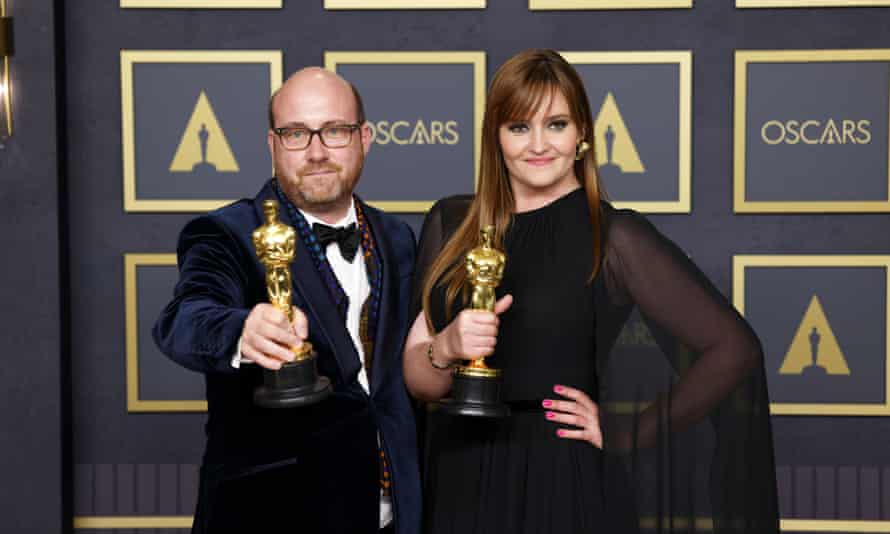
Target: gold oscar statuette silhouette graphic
{"type": "Point", "coordinates": [815, 350]}
{"type": "Point", "coordinates": [203, 147]}
{"type": "Point", "coordinates": [476, 388]}
{"type": "Point", "coordinates": [616, 151]}
{"type": "Point", "coordinates": [297, 383]}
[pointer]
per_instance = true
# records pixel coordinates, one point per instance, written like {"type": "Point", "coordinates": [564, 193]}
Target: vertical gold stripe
{"type": "Point", "coordinates": [131, 325]}
{"type": "Point", "coordinates": [7, 104]}
{"type": "Point", "coordinates": [8, 99]}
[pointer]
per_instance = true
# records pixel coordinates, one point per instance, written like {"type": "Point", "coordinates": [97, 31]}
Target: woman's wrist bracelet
{"type": "Point", "coordinates": [439, 366]}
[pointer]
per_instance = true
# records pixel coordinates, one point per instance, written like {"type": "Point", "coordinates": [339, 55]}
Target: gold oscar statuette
{"type": "Point", "coordinates": [297, 382]}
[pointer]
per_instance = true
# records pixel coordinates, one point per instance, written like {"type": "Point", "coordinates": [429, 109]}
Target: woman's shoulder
{"type": "Point", "coordinates": [453, 205]}
{"type": "Point", "coordinates": [624, 227]}
{"type": "Point", "coordinates": [447, 213]}
{"type": "Point", "coordinates": [620, 220]}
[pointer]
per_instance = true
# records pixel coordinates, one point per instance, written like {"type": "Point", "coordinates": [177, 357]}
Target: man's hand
{"type": "Point", "coordinates": [267, 337]}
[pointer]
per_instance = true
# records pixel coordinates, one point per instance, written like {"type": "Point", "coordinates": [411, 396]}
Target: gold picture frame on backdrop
{"type": "Point", "coordinates": [543, 5]}
{"type": "Point", "coordinates": [476, 59]}
{"type": "Point", "coordinates": [131, 313]}
{"type": "Point", "coordinates": [683, 59]}
{"type": "Point", "coordinates": [130, 58]}
{"type": "Point", "coordinates": [743, 58]}
{"type": "Point", "coordinates": [739, 265]}
{"type": "Point", "coordinates": [404, 4]}
{"type": "Point", "coordinates": [202, 4]}
{"type": "Point", "coordinates": [811, 4]}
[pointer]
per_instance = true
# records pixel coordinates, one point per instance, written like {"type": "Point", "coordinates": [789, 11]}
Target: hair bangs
{"type": "Point", "coordinates": [522, 103]}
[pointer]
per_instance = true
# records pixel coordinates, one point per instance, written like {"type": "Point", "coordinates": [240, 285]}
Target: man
{"type": "Point", "coordinates": [349, 463]}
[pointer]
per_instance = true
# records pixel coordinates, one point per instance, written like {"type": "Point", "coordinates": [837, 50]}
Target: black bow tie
{"type": "Point", "coordinates": [347, 238]}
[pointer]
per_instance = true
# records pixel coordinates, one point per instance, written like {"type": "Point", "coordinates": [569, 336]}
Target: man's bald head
{"type": "Point", "coordinates": [315, 75]}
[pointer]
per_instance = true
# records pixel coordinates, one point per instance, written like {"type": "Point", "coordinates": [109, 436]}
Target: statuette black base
{"type": "Point", "coordinates": [475, 396]}
{"type": "Point", "coordinates": [295, 384]}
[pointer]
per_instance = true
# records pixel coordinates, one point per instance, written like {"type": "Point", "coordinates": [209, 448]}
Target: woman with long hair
{"type": "Point", "coordinates": [599, 439]}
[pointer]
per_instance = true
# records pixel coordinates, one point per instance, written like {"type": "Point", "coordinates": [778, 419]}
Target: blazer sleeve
{"type": "Point", "coordinates": [200, 327]}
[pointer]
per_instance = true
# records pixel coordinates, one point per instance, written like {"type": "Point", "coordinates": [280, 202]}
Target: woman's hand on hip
{"type": "Point", "coordinates": [578, 411]}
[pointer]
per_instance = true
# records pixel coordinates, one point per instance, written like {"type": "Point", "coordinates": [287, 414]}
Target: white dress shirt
{"type": "Point", "coordinates": [353, 279]}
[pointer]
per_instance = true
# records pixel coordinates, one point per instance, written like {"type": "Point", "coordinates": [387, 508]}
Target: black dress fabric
{"type": "Point", "coordinates": [677, 374]}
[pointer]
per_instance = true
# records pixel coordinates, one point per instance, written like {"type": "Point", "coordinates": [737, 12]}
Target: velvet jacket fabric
{"type": "Point", "coordinates": [309, 469]}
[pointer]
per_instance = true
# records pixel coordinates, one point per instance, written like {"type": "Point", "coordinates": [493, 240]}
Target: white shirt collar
{"type": "Point", "coordinates": [347, 219]}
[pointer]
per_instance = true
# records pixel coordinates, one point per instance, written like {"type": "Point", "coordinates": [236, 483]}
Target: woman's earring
{"type": "Point", "coordinates": [580, 149]}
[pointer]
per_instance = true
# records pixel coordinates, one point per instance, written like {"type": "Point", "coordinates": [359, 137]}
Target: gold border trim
{"type": "Point", "coordinates": [404, 4]}
{"type": "Point", "coordinates": [542, 5]}
{"type": "Point", "coordinates": [475, 58]}
{"type": "Point", "coordinates": [833, 525]}
{"type": "Point", "coordinates": [741, 262]}
{"type": "Point", "coordinates": [202, 4]}
{"type": "Point", "coordinates": [810, 3]}
{"type": "Point", "coordinates": [742, 59]}
{"type": "Point", "coordinates": [132, 521]}
{"type": "Point", "coordinates": [134, 403]}
{"type": "Point", "coordinates": [701, 523]}
{"type": "Point", "coordinates": [130, 58]}
{"type": "Point", "coordinates": [683, 58]}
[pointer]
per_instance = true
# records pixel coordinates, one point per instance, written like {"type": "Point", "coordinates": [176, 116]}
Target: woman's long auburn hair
{"type": "Point", "coordinates": [518, 89]}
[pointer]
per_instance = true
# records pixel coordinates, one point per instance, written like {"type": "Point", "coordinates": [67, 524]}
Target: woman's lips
{"type": "Point", "coordinates": [539, 162]}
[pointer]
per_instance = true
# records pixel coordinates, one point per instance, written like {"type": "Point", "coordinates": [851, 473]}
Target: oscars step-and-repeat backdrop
{"type": "Point", "coordinates": [771, 168]}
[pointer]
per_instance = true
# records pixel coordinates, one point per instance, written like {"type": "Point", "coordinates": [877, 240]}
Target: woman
{"type": "Point", "coordinates": [571, 457]}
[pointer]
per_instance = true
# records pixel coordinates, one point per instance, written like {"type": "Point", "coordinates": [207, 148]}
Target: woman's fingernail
{"type": "Point", "coordinates": [560, 433]}
{"type": "Point", "coordinates": [547, 403]}
{"type": "Point", "coordinates": [557, 388]}
{"type": "Point", "coordinates": [550, 415]}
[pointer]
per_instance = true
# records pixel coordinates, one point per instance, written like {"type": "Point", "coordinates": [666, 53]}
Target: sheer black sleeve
{"type": "Point", "coordinates": [440, 222]}
{"type": "Point", "coordinates": [684, 389]}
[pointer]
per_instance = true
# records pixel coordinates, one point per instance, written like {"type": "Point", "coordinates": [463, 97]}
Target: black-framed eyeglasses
{"type": "Point", "coordinates": [333, 136]}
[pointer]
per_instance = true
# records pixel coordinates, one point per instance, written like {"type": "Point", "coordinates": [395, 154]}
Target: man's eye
{"type": "Point", "coordinates": [335, 131]}
{"type": "Point", "coordinates": [559, 125]}
{"type": "Point", "coordinates": [296, 133]}
{"type": "Point", "coordinates": [518, 128]}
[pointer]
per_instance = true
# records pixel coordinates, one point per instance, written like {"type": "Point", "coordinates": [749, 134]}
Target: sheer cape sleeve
{"type": "Point", "coordinates": [684, 404]}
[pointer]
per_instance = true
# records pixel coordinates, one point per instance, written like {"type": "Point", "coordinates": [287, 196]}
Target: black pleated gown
{"type": "Point", "coordinates": [668, 407]}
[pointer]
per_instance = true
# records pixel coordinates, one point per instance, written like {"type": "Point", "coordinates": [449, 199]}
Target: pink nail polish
{"type": "Point", "coordinates": [547, 403]}
{"type": "Point", "coordinates": [550, 415]}
{"type": "Point", "coordinates": [557, 388]}
{"type": "Point", "coordinates": [560, 433]}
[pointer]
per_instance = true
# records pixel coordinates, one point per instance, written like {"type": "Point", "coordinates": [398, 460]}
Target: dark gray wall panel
{"type": "Point", "coordinates": [810, 450]}
{"type": "Point", "coordinates": [31, 446]}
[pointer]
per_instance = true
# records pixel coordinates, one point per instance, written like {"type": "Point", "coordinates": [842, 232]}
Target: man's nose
{"type": "Point", "coordinates": [316, 151]}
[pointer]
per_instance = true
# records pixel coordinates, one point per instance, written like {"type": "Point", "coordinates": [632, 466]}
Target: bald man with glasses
{"type": "Point", "coordinates": [348, 463]}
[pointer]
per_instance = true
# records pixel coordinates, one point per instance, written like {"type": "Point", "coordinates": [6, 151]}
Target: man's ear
{"type": "Point", "coordinates": [367, 137]}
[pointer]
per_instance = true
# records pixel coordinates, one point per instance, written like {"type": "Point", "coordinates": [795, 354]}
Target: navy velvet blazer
{"type": "Point", "coordinates": [310, 469]}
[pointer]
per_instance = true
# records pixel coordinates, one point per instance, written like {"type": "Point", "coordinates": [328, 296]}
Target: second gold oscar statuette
{"type": "Point", "coordinates": [476, 387]}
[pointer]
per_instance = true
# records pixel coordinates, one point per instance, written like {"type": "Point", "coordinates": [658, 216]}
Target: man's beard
{"type": "Point", "coordinates": [314, 193]}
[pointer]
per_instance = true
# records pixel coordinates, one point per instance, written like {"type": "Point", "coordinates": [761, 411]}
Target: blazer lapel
{"type": "Point", "coordinates": [317, 302]}
{"type": "Point", "coordinates": [383, 349]}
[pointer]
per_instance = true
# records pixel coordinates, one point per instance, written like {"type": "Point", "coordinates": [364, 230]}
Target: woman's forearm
{"type": "Point", "coordinates": [425, 381]}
